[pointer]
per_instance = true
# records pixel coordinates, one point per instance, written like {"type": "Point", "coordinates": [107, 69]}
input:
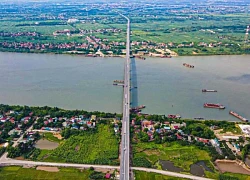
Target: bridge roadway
{"type": "Point", "coordinates": [125, 139]}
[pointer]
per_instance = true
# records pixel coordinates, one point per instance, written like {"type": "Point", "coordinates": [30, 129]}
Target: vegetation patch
{"type": "Point", "coordinates": [181, 156]}
{"type": "Point", "coordinates": [100, 147]}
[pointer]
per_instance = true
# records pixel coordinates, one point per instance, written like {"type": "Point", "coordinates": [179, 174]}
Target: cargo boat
{"type": "Point", "coordinates": [188, 65]}
{"type": "Point", "coordinates": [206, 90]}
{"type": "Point", "coordinates": [238, 116]}
{"type": "Point", "coordinates": [216, 106]}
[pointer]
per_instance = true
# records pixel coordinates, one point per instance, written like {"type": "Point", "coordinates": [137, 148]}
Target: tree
{"type": "Point", "coordinates": [157, 140]}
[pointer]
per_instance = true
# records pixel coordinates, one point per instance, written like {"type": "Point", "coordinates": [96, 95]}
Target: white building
{"type": "Point", "coordinates": [72, 20]}
{"type": "Point", "coordinates": [245, 129]}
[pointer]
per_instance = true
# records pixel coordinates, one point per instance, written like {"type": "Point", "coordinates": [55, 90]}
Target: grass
{"type": "Point", "coordinates": [140, 175]}
{"type": "Point", "coordinates": [16, 172]}
{"type": "Point", "coordinates": [97, 148]}
{"type": "Point", "coordinates": [216, 175]}
{"type": "Point", "coordinates": [50, 137]}
{"type": "Point", "coordinates": [181, 156]}
{"type": "Point", "coordinates": [44, 152]}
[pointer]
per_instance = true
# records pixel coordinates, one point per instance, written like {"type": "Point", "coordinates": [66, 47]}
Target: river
{"type": "Point", "coordinates": [165, 86]}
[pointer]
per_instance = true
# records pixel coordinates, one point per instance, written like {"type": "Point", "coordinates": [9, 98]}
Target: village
{"type": "Point", "coordinates": [93, 46]}
{"type": "Point", "coordinates": [25, 129]}
{"type": "Point", "coordinates": [171, 129]}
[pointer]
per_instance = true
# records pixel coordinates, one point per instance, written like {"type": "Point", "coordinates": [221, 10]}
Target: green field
{"type": "Point", "coordinates": [140, 175]}
{"type": "Point", "coordinates": [181, 156]}
{"type": "Point", "coordinates": [12, 172]}
{"type": "Point", "coordinates": [97, 148]}
{"type": "Point", "coordinates": [50, 137]}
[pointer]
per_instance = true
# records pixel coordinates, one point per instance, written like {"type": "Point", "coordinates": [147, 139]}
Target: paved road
{"type": "Point", "coordinates": [125, 142]}
{"type": "Point", "coordinates": [7, 161]}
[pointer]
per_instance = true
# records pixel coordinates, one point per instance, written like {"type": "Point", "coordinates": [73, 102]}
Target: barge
{"type": "Point", "coordinates": [238, 116]}
{"type": "Point", "coordinates": [216, 106]}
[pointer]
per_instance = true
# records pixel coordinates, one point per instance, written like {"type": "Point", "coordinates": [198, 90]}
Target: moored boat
{"type": "Point", "coordinates": [140, 57]}
{"type": "Point", "coordinates": [199, 118]}
{"type": "Point", "coordinates": [174, 116]}
{"type": "Point", "coordinates": [166, 56]}
{"type": "Point", "coordinates": [238, 116]}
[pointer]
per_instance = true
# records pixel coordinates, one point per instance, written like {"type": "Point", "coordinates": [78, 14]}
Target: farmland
{"type": "Point", "coordinates": [186, 30]}
{"type": "Point", "coordinates": [96, 148]}
{"type": "Point", "coordinates": [139, 175]}
{"type": "Point", "coordinates": [12, 172]}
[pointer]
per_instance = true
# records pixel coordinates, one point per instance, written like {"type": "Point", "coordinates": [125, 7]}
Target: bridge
{"type": "Point", "coordinates": [125, 139]}
{"type": "Point", "coordinates": [125, 169]}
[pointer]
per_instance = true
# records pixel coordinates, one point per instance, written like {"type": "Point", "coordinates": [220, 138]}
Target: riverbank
{"type": "Point", "coordinates": [97, 54]}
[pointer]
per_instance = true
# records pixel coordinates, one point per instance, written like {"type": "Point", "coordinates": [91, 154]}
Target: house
{"type": "Point", "coordinates": [205, 141]}
{"type": "Point", "coordinates": [133, 122]}
{"type": "Point", "coordinates": [178, 136]}
{"type": "Point", "coordinates": [166, 123]}
{"type": "Point", "coordinates": [64, 124]}
{"type": "Point", "coordinates": [47, 116]}
{"type": "Point", "coordinates": [108, 176]}
{"type": "Point", "coordinates": [12, 120]}
{"type": "Point", "coordinates": [50, 120]}
{"type": "Point", "coordinates": [245, 129]}
{"type": "Point", "coordinates": [177, 125]}
{"type": "Point", "coordinates": [89, 124]}
{"type": "Point", "coordinates": [216, 144]}
{"type": "Point", "coordinates": [236, 147]}
{"type": "Point", "coordinates": [167, 128]}
{"type": "Point", "coordinates": [3, 119]}
{"type": "Point", "coordinates": [93, 118]}
{"type": "Point", "coordinates": [13, 131]}
{"type": "Point", "coordinates": [25, 119]}
{"type": "Point", "coordinates": [12, 112]}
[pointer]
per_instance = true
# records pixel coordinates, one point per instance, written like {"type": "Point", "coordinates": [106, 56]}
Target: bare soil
{"type": "Point", "coordinates": [47, 168]}
{"type": "Point", "coordinates": [45, 144]}
{"type": "Point", "coordinates": [232, 167]}
{"type": "Point", "coordinates": [58, 136]}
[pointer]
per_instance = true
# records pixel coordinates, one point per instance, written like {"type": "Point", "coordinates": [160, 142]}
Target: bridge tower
{"type": "Point", "coordinates": [247, 32]}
